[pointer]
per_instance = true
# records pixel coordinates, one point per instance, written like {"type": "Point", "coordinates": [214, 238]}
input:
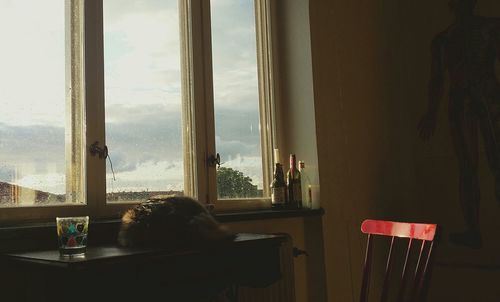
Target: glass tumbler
{"type": "Point", "coordinates": [72, 235]}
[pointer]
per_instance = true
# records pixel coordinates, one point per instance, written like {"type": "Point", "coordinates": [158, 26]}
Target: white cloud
{"type": "Point", "coordinates": [234, 54]}
{"type": "Point", "coordinates": [142, 52]}
{"type": "Point", "coordinates": [49, 182]}
{"type": "Point", "coordinates": [32, 85]}
{"type": "Point", "coordinates": [149, 176]}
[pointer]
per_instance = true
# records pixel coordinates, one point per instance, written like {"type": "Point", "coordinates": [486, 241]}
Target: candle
{"type": "Point", "coordinates": [277, 155]}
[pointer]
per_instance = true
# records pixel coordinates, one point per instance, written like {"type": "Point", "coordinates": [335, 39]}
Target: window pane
{"type": "Point", "coordinates": [236, 99]}
{"type": "Point", "coordinates": [143, 99]}
{"type": "Point", "coordinates": [33, 102]}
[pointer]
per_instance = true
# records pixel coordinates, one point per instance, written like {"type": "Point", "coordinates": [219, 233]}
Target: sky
{"type": "Point", "coordinates": [142, 92]}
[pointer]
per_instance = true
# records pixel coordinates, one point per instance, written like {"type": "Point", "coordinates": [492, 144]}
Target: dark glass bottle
{"type": "Point", "coordinates": [278, 188]}
{"type": "Point", "coordinates": [293, 179]}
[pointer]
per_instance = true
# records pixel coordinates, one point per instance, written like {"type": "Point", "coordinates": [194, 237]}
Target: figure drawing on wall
{"type": "Point", "coordinates": [467, 51]}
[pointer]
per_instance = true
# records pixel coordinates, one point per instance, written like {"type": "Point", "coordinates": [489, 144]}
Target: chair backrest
{"type": "Point", "coordinates": [414, 232]}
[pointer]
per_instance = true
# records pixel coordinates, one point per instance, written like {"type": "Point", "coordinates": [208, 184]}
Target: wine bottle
{"type": "Point", "coordinates": [306, 186]}
{"type": "Point", "coordinates": [278, 188]}
{"type": "Point", "coordinates": [294, 184]}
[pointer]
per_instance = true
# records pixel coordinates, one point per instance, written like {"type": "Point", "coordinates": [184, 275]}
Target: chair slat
{"type": "Point", "coordinates": [366, 270]}
{"type": "Point", "coordinates": [421, 288]}
{"type": "Point", "coordinates": [388, 269]}
{"type": "Point", "coordinates": [404, 274]}
{"type": "Point", "coordinates": [418, 272]}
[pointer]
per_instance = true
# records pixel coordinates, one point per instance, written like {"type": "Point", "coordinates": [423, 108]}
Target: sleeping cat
{"type": "Point", "coordinates": [173, 222]}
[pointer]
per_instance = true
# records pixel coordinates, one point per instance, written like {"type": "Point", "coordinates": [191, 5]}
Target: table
{"type": "Point", "coordinates": [112, 273]}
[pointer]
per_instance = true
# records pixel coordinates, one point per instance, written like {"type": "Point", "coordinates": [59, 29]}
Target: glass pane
{"type": "Point", "coordinates": [143, 99]}
{"type": "Point", "coordinates": [33, 103]}
{"type": "Point", "coordinates": [236, 99]}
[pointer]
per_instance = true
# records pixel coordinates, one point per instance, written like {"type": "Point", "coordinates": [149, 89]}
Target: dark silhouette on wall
{"type": "Point", "coordinates": [467, 50]}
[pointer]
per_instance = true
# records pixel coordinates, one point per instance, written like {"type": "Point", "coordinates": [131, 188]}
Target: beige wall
{"type": "Point", "coordinates": [296, 120]}
{"type": "Point", "coordinates": [370, 68]}
{"type": "Point", "coordinates": [295, 112]}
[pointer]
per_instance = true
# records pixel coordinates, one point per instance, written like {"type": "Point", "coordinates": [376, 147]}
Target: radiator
{"type": "Point", "coordinates": [282, 290]}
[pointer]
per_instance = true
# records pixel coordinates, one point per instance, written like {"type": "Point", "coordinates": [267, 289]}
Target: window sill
{"type": "Point", "coordinates": [267, 214]}
{"type": "Point", "coordinates": [232, 216]}
{"type": "Point", "coordinates": [42, 235]}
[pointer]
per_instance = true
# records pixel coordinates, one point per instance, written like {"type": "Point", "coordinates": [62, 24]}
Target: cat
{"type": "Point", "coordinates": [173, 222]}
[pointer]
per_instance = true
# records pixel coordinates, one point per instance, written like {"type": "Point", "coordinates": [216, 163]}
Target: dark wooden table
{"type": "Point", "coordinates": [111, 273]}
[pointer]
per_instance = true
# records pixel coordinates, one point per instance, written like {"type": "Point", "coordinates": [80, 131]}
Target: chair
{"type": "Point", "coordinates": [415, 232]}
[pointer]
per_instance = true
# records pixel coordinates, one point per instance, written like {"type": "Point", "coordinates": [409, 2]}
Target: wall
{"type": "Point", "coordinates": [371, 63]}
{"type": "Point", "coordinates": [296, 116]}
{"type": "Point", "coordinates": [296, 120]}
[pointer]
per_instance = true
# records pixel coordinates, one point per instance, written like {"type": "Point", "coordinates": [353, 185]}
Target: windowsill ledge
{"type": "Point", "coordinates": [233, 216]}
{"type": "Point", "coordinates": [42, 235]}
{"type": "Point", "coordinates": [267, 214]}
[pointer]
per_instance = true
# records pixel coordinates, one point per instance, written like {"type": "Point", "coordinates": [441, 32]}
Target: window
{"type": "Point", "coordinates": [40, 143]}
{"type": "Point", "coordinates": [32, 121]}
{"type": "Point", "coordinates": [143, 102]}
{"type": "Point", "coordinates": [129, 100]}
{"type": "Point", "coordinates": [236, 99]}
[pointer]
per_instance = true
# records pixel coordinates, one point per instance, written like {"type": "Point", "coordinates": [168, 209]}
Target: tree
{"type": "Point", "coordinates": [234, 184]}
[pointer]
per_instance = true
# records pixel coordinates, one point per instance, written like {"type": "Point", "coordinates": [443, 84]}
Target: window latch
{"type": "Point", "coordinates": [103, 153]}
{"type": "Point", "coordinates": [214, 160]}
{"type": "Point", "coordinates": [95, 150]}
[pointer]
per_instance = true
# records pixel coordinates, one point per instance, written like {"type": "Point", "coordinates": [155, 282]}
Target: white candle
{"type": "Point", "coordinates": [277, 155]}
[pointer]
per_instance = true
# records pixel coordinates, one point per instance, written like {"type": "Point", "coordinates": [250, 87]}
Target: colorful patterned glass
{"type": "Point", "coordinates": [72, 235]}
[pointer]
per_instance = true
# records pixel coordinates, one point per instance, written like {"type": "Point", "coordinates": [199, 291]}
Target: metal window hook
{"type": "Point", "coordinates": [214, 160]}
{"type": "Point", "coordinates": [96, 150]}
{"type": "Point", "coordinates": [103, 153]}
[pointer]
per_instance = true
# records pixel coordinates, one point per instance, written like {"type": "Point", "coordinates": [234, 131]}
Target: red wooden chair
{"type": "Point", "coordinates": [415, 232]}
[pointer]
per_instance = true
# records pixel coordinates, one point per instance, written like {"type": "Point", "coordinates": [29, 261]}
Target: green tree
{"type": "Point", "coordinates": [234, 184]}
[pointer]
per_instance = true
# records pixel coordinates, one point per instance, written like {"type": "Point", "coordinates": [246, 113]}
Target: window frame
{"type": "Point", "coordinates": [267, 111]}
{"type": "Point", "coordinates": [197, 113]}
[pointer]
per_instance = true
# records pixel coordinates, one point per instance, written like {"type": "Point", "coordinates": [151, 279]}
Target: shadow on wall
{"type": "Point", "coordinates": [467, 52]}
